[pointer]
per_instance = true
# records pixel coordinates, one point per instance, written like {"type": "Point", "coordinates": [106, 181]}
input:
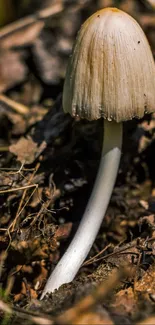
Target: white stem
{"type": "Point", "coordinates": [83, 240]}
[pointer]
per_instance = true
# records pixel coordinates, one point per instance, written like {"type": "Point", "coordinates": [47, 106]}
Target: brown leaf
{"type": "Point", "coordinates": [93, 318]}
{"type": "Point", "coordinates": [125, 301]}
{"type": "Point", "coordinates": [26, 150]}
{"type": "Point", "coordinates": [22, 37]}
{"type": "Point", "coordinates": [146, 285]}
{"type": "Point", "coordinates": [63, 231]}
{"type": "Point", "coordinates": [23, 292]}
{"type": "Point", "coordinates": [39, 280]}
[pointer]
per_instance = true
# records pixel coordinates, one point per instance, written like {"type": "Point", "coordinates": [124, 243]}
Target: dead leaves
{"type": "Point", "coordinates": [26, 290]}
{"type": "Point", "coordinates": [94, 318]}
{"type": "Point", "coordinates": [12, 69]}
{"type": "Point", "coordinates": [146, 285]}
{"type": "Point", "coordinates": [16, 39]}
{"type": "Point", "coordinates": [27, 150]}
{"type": "Point", "coordinates": [125, 302]}
{"type": "Point", "coordinates": [63, 231]}
{"type": "Point", "coordinates": [128, 301]}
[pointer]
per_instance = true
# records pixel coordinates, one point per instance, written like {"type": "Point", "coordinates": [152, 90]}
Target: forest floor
{"type": "Point", "coordinates": [48, 164]}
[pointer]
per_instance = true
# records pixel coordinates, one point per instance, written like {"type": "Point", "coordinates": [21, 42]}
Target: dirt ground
{"type": "Point", "coordinates": [48, 164]}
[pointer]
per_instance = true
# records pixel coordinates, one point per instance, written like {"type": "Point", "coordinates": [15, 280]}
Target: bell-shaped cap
{"type": "Point", "coordinates": [111, 72]}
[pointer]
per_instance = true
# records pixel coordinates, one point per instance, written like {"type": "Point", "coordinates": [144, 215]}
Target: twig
{"type": "Point", "coordinates": [149, 3]}
{"type": "Point", "coordinates": [14, 170]}
{"type": "Point", "coordinates": [93, 259]}
{"type": "Point", "coordinates": [117, 252]}
{"type": "Point", "coordinates": [12, 226]}
{"type": "Point", "coordinates": [19, 108]}
{"type": "Point", "coordinates": [29, 20]}
{"type": "Point", "coordinates": [18, 188]}
{"type": "Point", "coordinates": [45, 205]}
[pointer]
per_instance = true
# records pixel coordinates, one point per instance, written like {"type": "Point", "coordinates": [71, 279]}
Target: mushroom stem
{"type": "Point", "coordinates": [83, 240]}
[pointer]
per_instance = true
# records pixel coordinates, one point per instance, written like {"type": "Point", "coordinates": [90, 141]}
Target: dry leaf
{"type": "Point", "coordinates": [22, 37]}
{"type": "Point", "coordinates": [146, 285]}
{"type": "Point", "coordinates": [125, 301]}
{"type": "Point", "coordinates": [63, 231]}
{"type": "Point", "coordinates": [26, 150]}
{"type": "Point", "coordinates": [12, 69]}
{"type": "Point", "coordinates": [94, 318]}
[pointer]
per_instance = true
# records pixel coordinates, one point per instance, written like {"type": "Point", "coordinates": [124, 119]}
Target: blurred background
{"type": "Point", "coordinates": [49, 32]}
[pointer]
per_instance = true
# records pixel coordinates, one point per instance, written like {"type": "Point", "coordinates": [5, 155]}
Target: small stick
{"type": "Point", "coordinates": [149, 3]}
{"type": "Point", "coordinates": [29, 20]}
{"type": "Point", "coordinates": [116, 252]}
{"type": "Point", "coordinates": [93, 258]}
{"type": "Point", "coordinates": [45, 205]}
{"type": "Point", "coordinates": [18, 107]}
{"type": "Point", "coordinates": [18, 188]}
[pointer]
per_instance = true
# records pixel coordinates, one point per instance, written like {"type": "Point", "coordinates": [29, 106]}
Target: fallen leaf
{"type": "Point", "coordinates": [146, 285]}
{"type": "Point", "coordinates": [27, 150]}
{"type": "Point", "coordinates": [63, 231]}
{"type": "Point", "coordinates": [12, 69]}
{"type": "Point", "coordinates": [94, 318]}
{"type": "Point", "coordinates": [22, 37]}
{"type": "Point", "coordinates": [125, 301]}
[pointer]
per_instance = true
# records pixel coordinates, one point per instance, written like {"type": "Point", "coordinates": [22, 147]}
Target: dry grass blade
{"type": "Point", "coordinates": [94, 258]}
{"type": "Point", "coordinates": [18, 188]}
{"type": "Point", "coordinates": [117, 251]}
{"type": "Point", "coordinates": [50, 11]}
{"type": "Point", "coordinates": [45, 205]}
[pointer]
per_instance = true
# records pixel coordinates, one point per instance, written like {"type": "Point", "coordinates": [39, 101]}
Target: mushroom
{"type": "Point", "coordinates": [111, 74]}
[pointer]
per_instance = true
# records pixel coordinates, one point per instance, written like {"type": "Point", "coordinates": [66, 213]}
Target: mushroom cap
{"type": "Point", "coordinates": [111, 72]}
